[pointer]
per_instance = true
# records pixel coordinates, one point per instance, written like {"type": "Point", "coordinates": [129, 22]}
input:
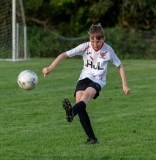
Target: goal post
{"type": "Point", "coordinates": [13, 32]}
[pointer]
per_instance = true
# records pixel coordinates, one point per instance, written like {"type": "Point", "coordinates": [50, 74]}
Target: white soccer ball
{"type": "Point", "coordinates": [27, 79]}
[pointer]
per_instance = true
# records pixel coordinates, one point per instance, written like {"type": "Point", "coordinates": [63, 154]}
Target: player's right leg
{"type": "Point", "coordinates": [69, 111]}
{"type": "Point", "coordinates": [87, 95]}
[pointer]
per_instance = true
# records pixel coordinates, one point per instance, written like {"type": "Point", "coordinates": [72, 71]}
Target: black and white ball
{"type": "Point", "coordinates": [27, 79]}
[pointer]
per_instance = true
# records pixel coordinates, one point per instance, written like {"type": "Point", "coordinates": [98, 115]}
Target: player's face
{"type": "Point", "coordinates": [96, 44]}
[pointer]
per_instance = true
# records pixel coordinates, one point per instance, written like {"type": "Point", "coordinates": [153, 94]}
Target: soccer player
{"type": "Point", "coordinates": [96, 54]}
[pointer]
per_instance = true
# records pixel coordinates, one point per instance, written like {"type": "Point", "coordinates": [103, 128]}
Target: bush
{"type": "Point", "coordinates": [128, 44]}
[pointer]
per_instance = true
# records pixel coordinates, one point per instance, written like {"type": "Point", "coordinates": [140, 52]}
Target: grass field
{"type": "Point", "coordinates": [33, 125]}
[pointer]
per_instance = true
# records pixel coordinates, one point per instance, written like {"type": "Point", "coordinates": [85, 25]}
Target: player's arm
{"type": "Point", "coordinates": [47, 70]}
{"type": "Point", "coordinates": [123, 78]}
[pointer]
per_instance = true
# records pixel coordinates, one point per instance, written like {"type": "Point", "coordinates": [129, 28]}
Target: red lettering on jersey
{"type": "Point", "coordinates": [103, 54]}
{"type": "Point", "coordinates": [91, 57]}
{"type": "Point", "coordinates": [85, 48]}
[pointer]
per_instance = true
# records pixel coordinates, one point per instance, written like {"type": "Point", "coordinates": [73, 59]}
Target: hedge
{"type": "Point", "coordinates": [128, 44]}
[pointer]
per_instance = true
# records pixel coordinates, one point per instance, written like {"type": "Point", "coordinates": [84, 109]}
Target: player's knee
{"type": "Point", "coordinates": [86, 98]}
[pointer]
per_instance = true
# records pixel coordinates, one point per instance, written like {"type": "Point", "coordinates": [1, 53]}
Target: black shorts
{"type": "Point", "coordinates": [85, 83]}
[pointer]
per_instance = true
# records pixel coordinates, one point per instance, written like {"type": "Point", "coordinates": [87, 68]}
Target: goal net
{"type": "Point", "coordinates": [13, 38]}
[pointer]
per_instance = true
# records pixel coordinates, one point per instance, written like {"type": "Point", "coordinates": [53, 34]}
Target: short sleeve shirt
{"type": "Point", "coordinates": [95, 62]}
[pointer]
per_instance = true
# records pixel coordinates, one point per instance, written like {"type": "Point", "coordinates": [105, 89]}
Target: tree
{"type": "Point", "coordinates": [139, 14]}
{"type": "Point", "coordinates": [74, 17]}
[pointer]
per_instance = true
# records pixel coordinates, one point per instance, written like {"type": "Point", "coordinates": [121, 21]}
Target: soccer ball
{"type": "Point", "coordinates": [27, 79]}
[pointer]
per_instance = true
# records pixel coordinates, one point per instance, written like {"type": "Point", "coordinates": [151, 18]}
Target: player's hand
{"type": "Point", "coordinates": [46, 71]}
{"type": "Point", "coordinates": [126, 89]}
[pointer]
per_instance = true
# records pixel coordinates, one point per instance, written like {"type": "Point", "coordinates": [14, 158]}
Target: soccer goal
{"type": "Point", "coordinates": [13, 33]}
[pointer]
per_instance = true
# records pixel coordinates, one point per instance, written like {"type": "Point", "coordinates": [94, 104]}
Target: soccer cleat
{"type": "Point", "coordinates": [69, 111]}
{"type": "Point", "coordinates": [91, 141]}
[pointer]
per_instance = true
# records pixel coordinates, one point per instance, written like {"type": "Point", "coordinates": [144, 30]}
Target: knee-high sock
{"type": "Point", "coordinates": [85, 122]}
{"type": "Point", "coordinates": [79, 107]}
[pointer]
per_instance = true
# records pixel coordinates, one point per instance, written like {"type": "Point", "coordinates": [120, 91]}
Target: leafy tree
{"type": "Point", "coordinates": [139, 14]}
{"type": "Point", "coordinates": [67, 17]}
{"type": "Point", "coordinates": [73, 17]}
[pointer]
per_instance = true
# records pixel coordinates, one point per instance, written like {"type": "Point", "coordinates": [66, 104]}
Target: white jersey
{"type": "Point", "coordinates": [95, 62]}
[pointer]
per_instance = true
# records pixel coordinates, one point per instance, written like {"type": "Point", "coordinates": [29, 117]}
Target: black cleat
{"type": "Point", "coordinates": [69, 111]}
{"type": "Point", "coordinates": [91, 141]}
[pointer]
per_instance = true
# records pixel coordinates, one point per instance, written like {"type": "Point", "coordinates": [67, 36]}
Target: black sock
{"type": "Point", "coordinates": [79, 107]}
{"type": "Point", "coordinates": [85, 122]}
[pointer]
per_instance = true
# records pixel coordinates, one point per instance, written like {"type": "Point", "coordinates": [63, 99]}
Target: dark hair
{"type": "Point", "coordinates": [96, 31]}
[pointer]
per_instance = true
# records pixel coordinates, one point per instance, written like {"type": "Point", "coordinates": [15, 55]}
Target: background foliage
{"type": "Point", "coordinates": [73, 17]}
{"type": "Point", "coordinates": [127, 45]}
{"type": "Point", "coordinates": [130, 25]}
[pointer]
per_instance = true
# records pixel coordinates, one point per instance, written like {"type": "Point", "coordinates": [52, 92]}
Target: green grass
{"type": "Point", "coordinates": [33, 125]}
